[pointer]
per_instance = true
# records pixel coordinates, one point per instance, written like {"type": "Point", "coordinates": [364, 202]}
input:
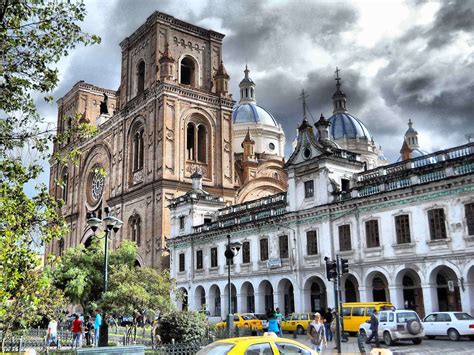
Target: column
{"type": "Point", "coordinates": [224, 303]}
{"type": "Point", "coordinates": [467, 296]}
{"type": "Point", "coordinates": [430, 298]}
{"type": "Point", "coordinates": [259, 303]}
{"type": "Point", "coordinates": [363, 294]}
{"type": "Point", "coordinates": [393, 294]}
{"type": "Point", "coordinates": [241, 302]}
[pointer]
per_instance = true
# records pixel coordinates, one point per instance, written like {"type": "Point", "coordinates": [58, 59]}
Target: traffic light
{"type": "Point", "coordinates": [331, 269]}
{"type": "Point", "coordinates": [344, 266]}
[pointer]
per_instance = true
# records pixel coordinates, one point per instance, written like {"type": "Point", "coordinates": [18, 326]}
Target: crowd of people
{"type": "Point", "coordinates": [80, 326]}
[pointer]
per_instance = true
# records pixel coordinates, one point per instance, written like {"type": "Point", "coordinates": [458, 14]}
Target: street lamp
{"type": "Point", "coordinates": [231, 250]}
{"type": "Point", "coordinates": [111, 223]}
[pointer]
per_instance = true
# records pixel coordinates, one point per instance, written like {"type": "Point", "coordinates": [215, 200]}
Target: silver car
{"type": "Point", "coordinates": [400, 324]}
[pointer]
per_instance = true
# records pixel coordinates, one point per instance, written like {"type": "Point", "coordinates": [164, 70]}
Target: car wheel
{"type": "Point", "coordinates": [471, 337]}
{"type": "Point", "coordinates": [431, 337]}
{"type": "Point", "coordinates": [453, 334]}
{"type": "Point", "coordinates": [387, 338]}
{"type": "Point", "coordinates": [417, 341]}
{"type": "Point", "coordinates": [299, 330]}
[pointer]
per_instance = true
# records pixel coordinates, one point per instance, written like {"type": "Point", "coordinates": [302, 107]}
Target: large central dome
{"type": "Point", "coordinates": [344, 125]}
{"type": "Point", "coordinates": [252, 113]}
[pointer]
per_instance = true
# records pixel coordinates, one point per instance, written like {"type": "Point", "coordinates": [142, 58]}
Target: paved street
{"type": "Point", "coordinates": [437, 346]}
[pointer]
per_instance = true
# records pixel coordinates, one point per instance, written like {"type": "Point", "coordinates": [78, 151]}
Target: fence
{"type": "Point", "coordinates": [36, 339]}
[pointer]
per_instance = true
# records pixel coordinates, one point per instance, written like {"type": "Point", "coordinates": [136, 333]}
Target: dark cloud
{"type": "Point", "coordinates": [453, 17]}
{"type": "Point", "coordinates": [421, 77]}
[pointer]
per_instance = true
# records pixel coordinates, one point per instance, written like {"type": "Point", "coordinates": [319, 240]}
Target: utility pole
{"type": "Point", "coordinates": [332, 274]}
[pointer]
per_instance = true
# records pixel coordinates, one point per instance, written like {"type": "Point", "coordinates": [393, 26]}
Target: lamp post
{"type": "Point", "coordinates": [111, 223]}
{"type": "Point", "coordinates": [231, 250]}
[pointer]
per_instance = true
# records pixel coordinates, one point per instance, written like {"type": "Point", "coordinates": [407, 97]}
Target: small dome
{"type": "Point", "coordinates": [252, 113]}
{"type": "Point", "coordinates": [344, 124]}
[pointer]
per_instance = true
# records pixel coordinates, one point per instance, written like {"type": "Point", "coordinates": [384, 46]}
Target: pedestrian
{"type": "Point", "coordinates": [279, 317]}
{"type": "Point", "coordinates": [374, 327]}
{"type": "Point", "coordinates": [334, 327]}
{"type": "Point", "coordinates": [77, 332]}
{"type": "Point", "coordinates": [273, 323]}
{"type": "Point", "coordinates": [317, 333]}
{"type": "Point", "coordinates": [97, 324]}
{"type": "Point", "coordinates": [88, 330]}
{"type": "Point", "coordinates": [52, 335]}
{"type": "Point", "coordinates": [327, 324]}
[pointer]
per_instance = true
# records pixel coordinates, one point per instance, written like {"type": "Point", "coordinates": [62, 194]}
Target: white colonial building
{"type": "Point", "coordinates": [407, 229]}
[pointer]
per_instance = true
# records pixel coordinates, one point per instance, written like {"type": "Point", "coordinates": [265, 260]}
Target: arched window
{"type": "Point", "coordinates": [187, 71]}
{"type": "Point", "coordinates": [202, 144]}
{"type": "Point", "coordinates": [65, 186]}
{"type": "Point", "coordinates": [141, 77]}
{"type": "Point", "coordinates": [138, 150]}
{"type": "Point", "coordinates": [190, 141]}
{"type": "Point", "coordinates": [135, 229]}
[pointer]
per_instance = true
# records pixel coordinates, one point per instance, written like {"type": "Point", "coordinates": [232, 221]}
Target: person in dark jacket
{"type": "Point", "coordinates": [374, 327]}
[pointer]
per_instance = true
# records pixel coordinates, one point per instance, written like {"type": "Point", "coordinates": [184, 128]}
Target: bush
{"type": "Point", "coordinates": [183, 327]}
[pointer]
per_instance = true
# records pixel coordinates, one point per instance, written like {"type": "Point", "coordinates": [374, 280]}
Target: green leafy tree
{"type": "Point", "coordinates": [183, 327]}
{"type": "Point", "coordinates": [80, 272]}
{"type": "Point", "coordinates": [34, 35]}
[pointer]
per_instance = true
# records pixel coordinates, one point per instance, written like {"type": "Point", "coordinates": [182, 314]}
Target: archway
{"type": "Point", "coordinates": [215, 300]}
{"type": "Point", "coordinates": [265, 297]}
{"type": "Point", "coordinates": [315, 297]}
{"type": "Point", "coordinates": [233, 304]}
{"type": "Point", "coordinates": [351, 289]}
{"type": "Point", "coordinates": [409, 292]}
{"type": "Point", "coordinates": [200, 298]}
{"type": "Point", "coordinates": [286, 297]}
{"type": "Point", "coordinates": [469, 288]}
{"type": "Point", "coordinates": [377, 287]}
{"type": "Point", "coordinates": [182, 299]}
{"type": "Point", "coordinates": [446, 288]}
{"type": "Point", "coordinates": [247, 295]}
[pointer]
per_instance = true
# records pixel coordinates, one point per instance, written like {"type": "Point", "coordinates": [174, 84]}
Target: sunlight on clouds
{"type": "Point", "coordinates": [378, 20]}
{"type": "Point", "coordinates": [216, 24]}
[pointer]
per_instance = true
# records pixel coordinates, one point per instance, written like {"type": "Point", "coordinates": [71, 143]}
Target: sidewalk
{"type": "Point", "coordinates": [350, 347]}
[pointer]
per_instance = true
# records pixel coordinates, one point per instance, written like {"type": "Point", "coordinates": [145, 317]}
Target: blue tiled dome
{"type": "Point", "coordinates": [252, 113]}
{"type": "Point", "coordinates": [344, 124]}
{"type": "Point", "coordinates": [417, 152]}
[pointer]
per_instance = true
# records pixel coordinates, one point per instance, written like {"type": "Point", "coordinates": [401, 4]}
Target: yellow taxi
{"type": "Point", "coordinates": [246, 320]}
{"type": "Point", "coordinates": [269, 343]}
{"type": "Point", "coordinates": [297, 322]}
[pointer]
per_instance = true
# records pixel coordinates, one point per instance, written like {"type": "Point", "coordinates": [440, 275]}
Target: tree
{"type": "Point", "coordinates": [183, 327]}
{"type": "Point", "coordinates": [34, 35]}
{"type": "Point", "coordinates": [80, 271]}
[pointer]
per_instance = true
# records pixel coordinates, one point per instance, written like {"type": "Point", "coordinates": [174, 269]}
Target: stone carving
{"type": "Point", "coordinates": [137, 177]}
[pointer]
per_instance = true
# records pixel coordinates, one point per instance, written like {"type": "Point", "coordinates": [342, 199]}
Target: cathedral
{"type": "Point", "coordinates": [172, 116]}
{"type": "Point", "coordinates": [187, 169]}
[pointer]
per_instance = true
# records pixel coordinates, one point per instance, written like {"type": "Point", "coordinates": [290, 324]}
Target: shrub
{"type": "Point", "coordinates": [183, 327]}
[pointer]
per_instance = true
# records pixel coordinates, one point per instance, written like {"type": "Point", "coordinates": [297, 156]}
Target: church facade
{"type": "Point", "coordinates": [171, 116]}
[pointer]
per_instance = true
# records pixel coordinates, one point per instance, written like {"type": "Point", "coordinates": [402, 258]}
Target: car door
{"type": "Point", "coordinates": [383, 321]}
{"type": "Point", "coordinates": [429, 324]}
{"type": "Point", "coordinates": [443, 323]}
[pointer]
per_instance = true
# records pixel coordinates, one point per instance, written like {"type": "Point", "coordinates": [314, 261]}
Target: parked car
{"type": "Point", "coordinates": [247, 320]}
{"type": "Point", "coordinates": [452, 324]}
{"type": "Point", "coordinates": [401, 324]}
{"type": "Point", "coordinates": [264, 319]}
{"type": "Point", "coordinates": [267, 344]}
{"type": "Point", "coordinates": [297, 322]}
{"type": "Point", "coordinates": [356, 313]}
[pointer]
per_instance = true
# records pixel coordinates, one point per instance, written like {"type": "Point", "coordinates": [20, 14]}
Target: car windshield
{"type": "Point", "coordinates": [463, 316]}
{"type": "Point", "coordinates": [404, 317]}
{"type": "Point", "coordinates": [248, 317]}
{"type": "Point", "coordinates": [216, 349]}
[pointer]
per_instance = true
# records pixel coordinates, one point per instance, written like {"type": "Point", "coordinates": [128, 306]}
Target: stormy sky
{"type": "Point", "coordinates": [399, 60]}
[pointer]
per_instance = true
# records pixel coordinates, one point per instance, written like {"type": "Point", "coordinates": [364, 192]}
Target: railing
{"type": "Point", "coordinates": [429, 159]}
{"type": "Point", "coordinates": [369, 190]}
{"type": "Point", "coordinates": [397, 184]}
{"type": "Point", "coordinates": [464, 169]}
{"type": "Point", "coordinates": [433, 176]}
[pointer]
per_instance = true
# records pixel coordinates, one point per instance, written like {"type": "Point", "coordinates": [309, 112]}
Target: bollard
{"type": "Point", "coordinates": [295, 336]}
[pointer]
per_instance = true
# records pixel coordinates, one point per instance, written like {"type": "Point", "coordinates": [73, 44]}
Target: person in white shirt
{"type": "Point", "coordinates": [317, 333]}
{"type": "Point", "coordinates": [52, 335]}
